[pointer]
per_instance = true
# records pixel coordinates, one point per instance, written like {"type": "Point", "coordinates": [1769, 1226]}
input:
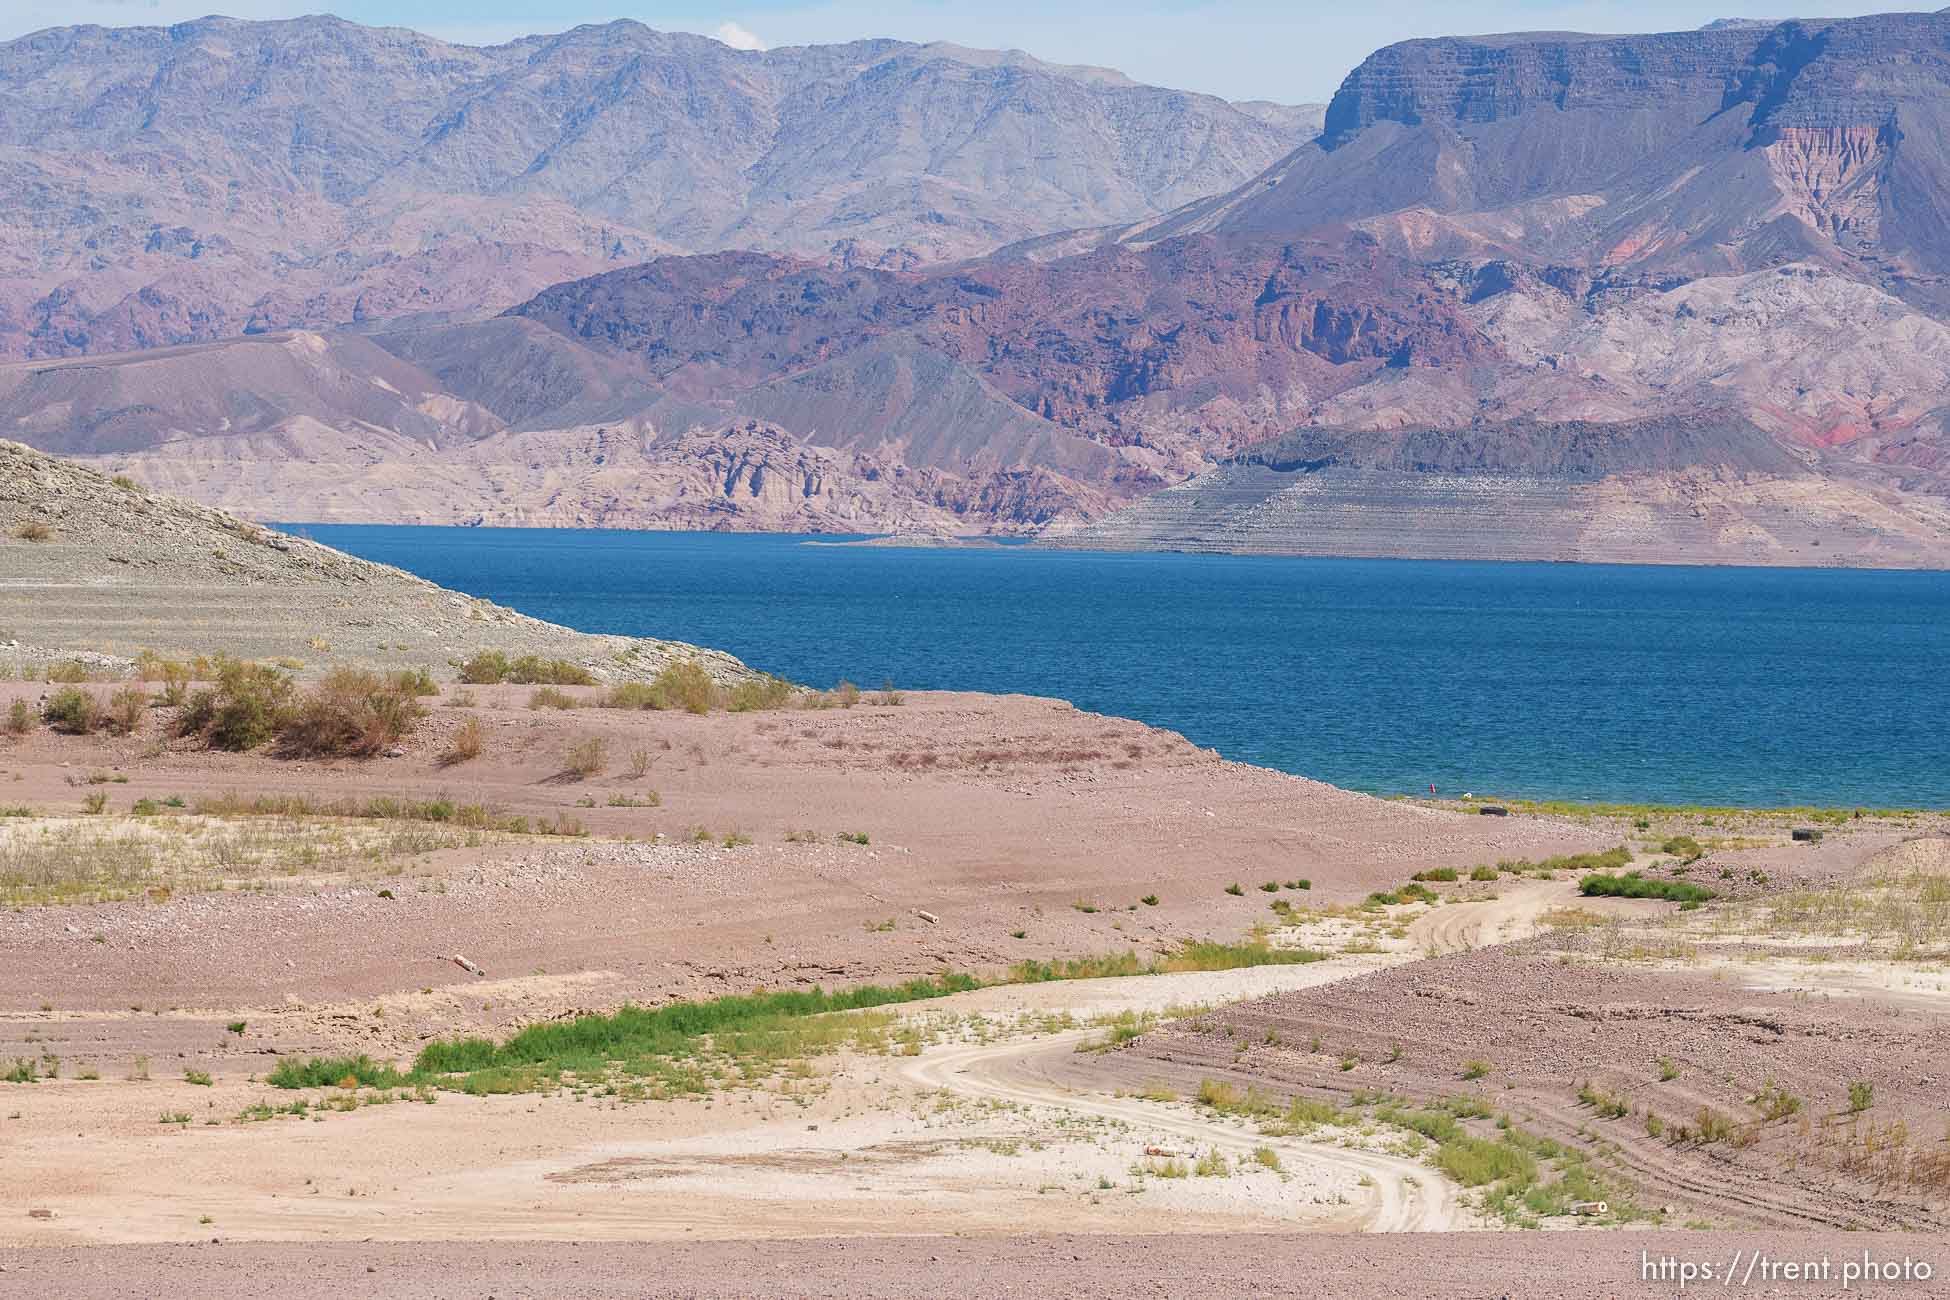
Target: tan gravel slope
{"type": "Point", "coordinates": [90, 563]}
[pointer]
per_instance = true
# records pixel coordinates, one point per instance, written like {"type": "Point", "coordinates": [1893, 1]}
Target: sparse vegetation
{"type": "Point", "coordinates": [1776, 1103]}
{"type": "Point", "coordinates": [244, 709]}
{"type": "Point", "coordinates": [490, 667]}
{"type": "Point", "coordinates": [1192, 955]}
{"type": "Point", "coordinates": [1633, 885]}
{"type": "Point", "coordinates": [1213, 1164]}
{"type": "Point", "coordinates": [767, 692]}
{"type": "Point", "coordinates": [72, 711]}
{"type": "Point", "coordinates": [653, 1042]}
{"type": "Point", "coordinates": [33, 530]}
{"type": "Point", "coordinates": [20, 718]}
{"type": "Point", "coordinates": [335, 1072]}
{"type": "Point", "coordinates": [468, 743]}
{"type": "Point", "coordinates": [351, 713]}
{"type": "Point", "coordinates": [586, 758]}
{"type": "Point", "coordinates": [550, 698]}
{"type": "Point", "coordinates": [126, 709]}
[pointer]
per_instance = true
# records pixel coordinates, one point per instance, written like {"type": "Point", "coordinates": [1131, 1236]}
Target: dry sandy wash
{"type": "Point", "coordinates": [154, 970]}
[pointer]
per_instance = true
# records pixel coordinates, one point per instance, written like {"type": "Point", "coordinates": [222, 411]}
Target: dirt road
{"type": "Point", "coordinates": [1406, 1197]}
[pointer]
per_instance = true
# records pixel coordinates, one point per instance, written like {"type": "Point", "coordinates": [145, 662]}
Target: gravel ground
{"type": "Point", "coordinates": [1457, 1267]}
{"type": "Point", "coordinates": [1539, 1020]}
{"type": "Point", "coordinates": [119, 569]}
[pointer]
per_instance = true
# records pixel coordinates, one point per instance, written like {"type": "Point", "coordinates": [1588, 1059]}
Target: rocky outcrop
{"type": "Point", "coordinates": [1736, 147]}
{"type": "Point", "coordinates": [746, 477]}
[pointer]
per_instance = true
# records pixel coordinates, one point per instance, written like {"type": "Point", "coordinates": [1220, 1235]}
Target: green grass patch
{"type": "Point", "coordinates": [1633, 885]}
{"type": "Point", "coordinates": [335, 1072]}
{"type": "Point", "coordinates": [590, 1043]}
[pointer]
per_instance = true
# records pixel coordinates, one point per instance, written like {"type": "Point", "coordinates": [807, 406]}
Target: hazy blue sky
{"type": "Point", "coordinates": [1292, 50]}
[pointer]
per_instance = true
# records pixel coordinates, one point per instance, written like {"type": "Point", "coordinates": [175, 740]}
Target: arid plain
{"type": "Point", "coordinates": [350, 1007]}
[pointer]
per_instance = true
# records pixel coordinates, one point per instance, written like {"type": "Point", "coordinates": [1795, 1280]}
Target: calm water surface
{"type": "Point", "coordinates": [1752, 686]}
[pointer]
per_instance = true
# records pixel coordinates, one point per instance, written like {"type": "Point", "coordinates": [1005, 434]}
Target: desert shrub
{"type": "Point", "coordinates": [767, 692]}
{"type": "Point", "coordinates": [126, 708]}
{"type": "Point", "coordinates": [685, 685]}
{"type": "Point", "coordinates": [20, 718]}
{"type": "Point", "coordinates": [248, 705]}
{"type": "Point", "coordinates": [33, 530]}
{"type": "Point", "coordinates": [533, 670]}
{"type": "Point", "coordinates": [485, 668]}
{"type": "Point", "coordinates": [67, 671]}
{"type": "Point", "coordinates": [351, 713]}
{"type": "Point", "coordinates": [1683, 846]}
{"type": "Point", "coordinates": [631, 695]}
{"type": "Point", "coordinates": [414, 681]}
{"type": "Point", "coordinates": [175, 678]}
{"type": "Point", "coordinates": [96, 803]}
{"type": "Point", "coordinates": [1776, 1103]}
{"type": "Point", "coordinates": [1861, 1096]}
{"type": "Point", "coordinates": [587, 757]}
{"type": "Point", "coordinates": [72, 711]}
{"type": "Point", "coordinates": [1632, 885]}
{"type": "Point", "coordinates": [549, 698]}
{"type": "Point", "coordinates": [468, 743]}
{"type": "Point", "coordinates": [1435, 873]}
{"type": "Point", "coordinates": [847, 694]}
{"type": "Point", "coordinates": [1712, 1126]}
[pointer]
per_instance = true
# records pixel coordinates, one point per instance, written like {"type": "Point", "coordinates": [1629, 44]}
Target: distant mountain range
{"type": "Point", "coordinates": [172, 185]}
{"type": "Point", "coordinates": [1682, 294]}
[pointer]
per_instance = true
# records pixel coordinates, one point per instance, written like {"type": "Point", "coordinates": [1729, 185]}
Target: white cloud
{"type": "Point", "coordinates": [738, 38]}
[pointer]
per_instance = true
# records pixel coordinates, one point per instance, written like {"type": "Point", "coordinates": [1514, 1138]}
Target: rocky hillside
{"type": "Point", "coordinates": [747, 391]}
{"type": "Point", "coordinates": [108, 568]}
{"type": "Point", "coordinates": [1735, 147]}
{"type": "Point", "coordinates": [1447, 282]}
{"type": "Point", "coordinates": [170, 185]}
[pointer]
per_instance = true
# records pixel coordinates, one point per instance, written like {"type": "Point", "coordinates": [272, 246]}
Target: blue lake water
{"type": "Point", "coordinates": [1714, 685]}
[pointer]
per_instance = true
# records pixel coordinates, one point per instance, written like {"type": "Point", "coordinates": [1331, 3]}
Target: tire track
{"type": "Point", "coordinates": [1408, 1197]}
